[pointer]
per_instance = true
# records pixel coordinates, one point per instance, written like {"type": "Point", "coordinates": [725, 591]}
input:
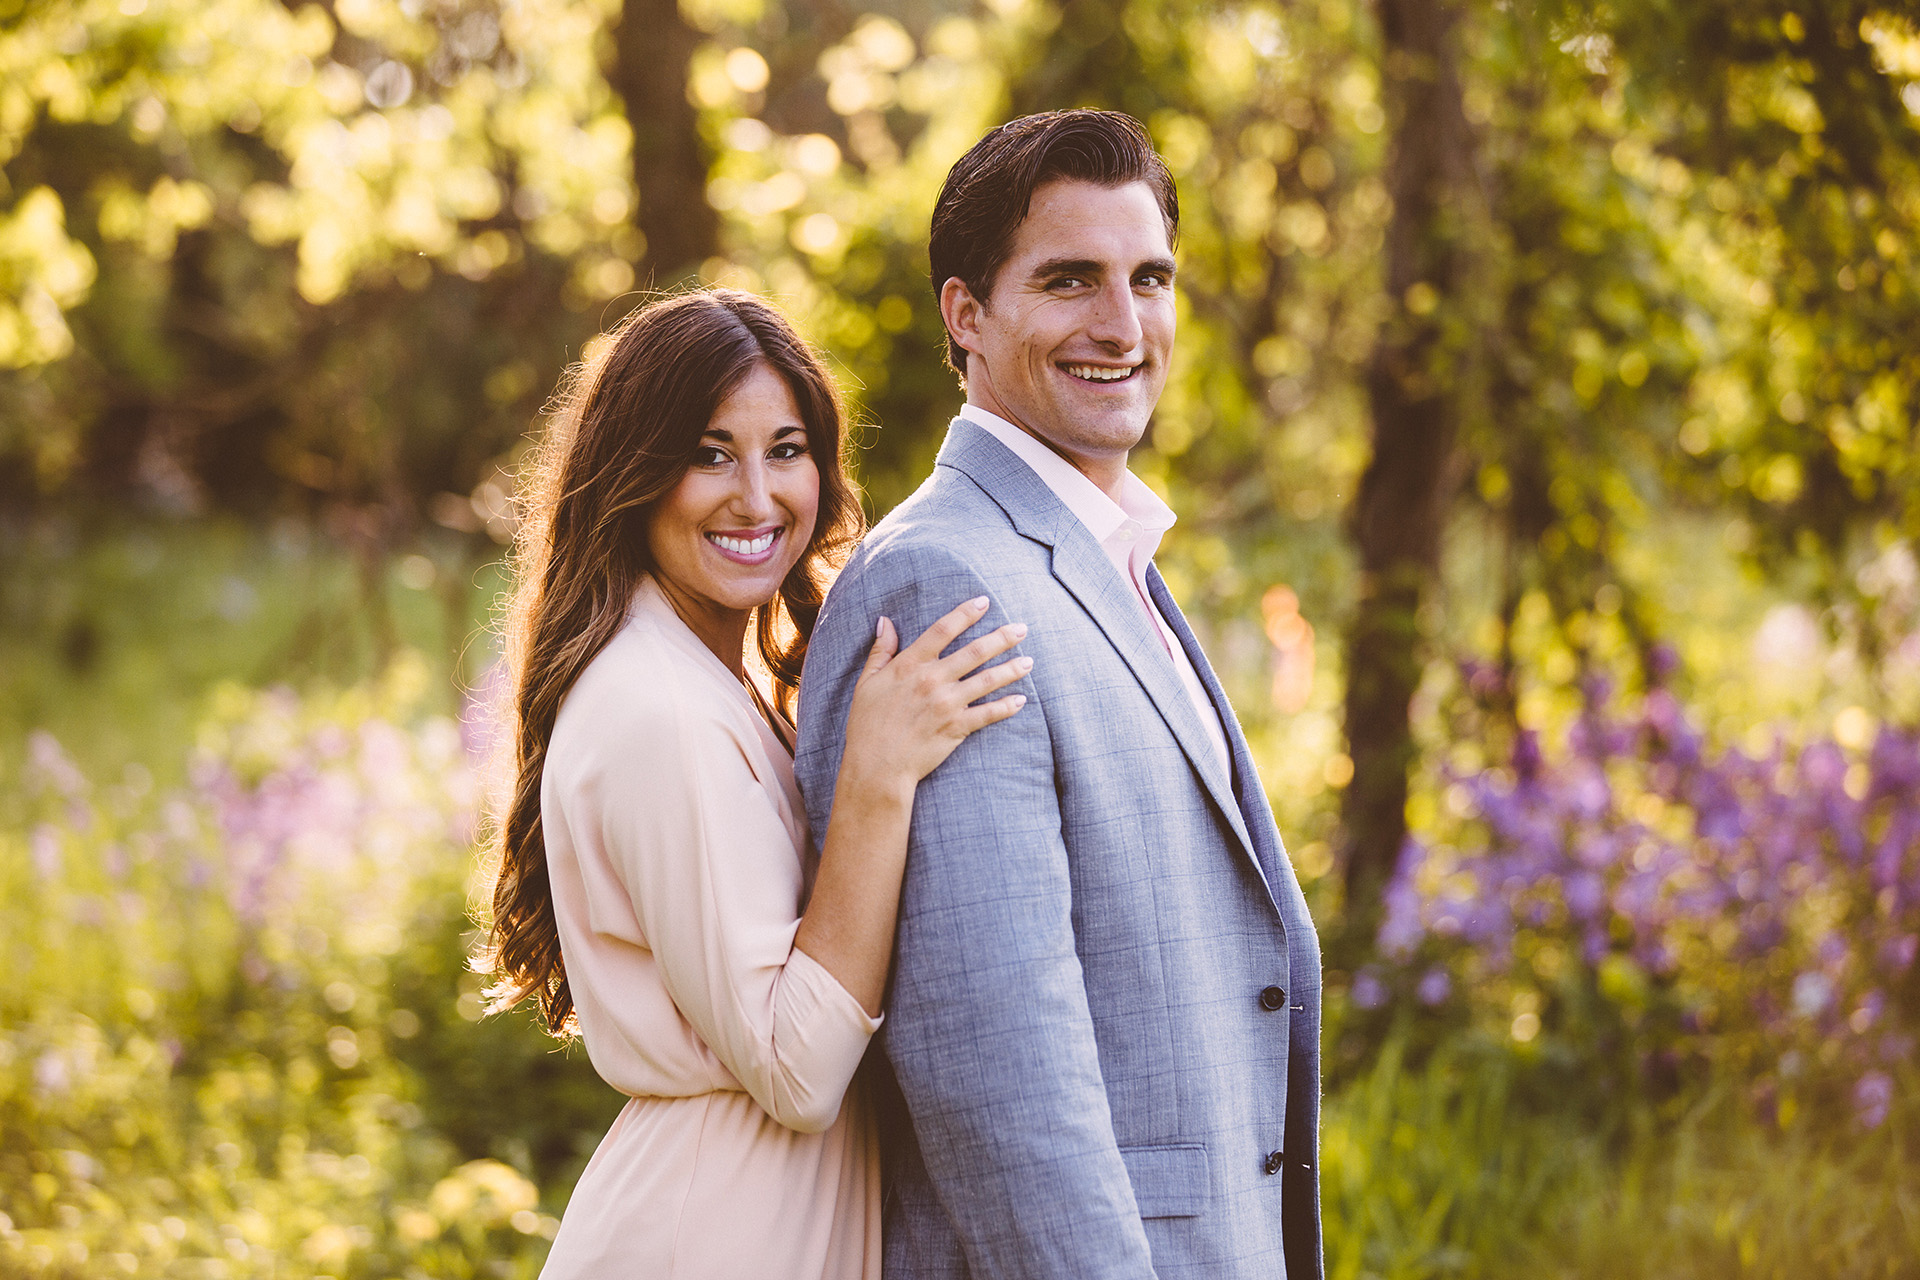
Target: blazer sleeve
{"type": "Point", "coordinates": [988, 1027]}
{"type": "Point", "coordinates": [716, 885]}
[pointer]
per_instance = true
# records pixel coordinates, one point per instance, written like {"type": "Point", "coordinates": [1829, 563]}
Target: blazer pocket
{"type": "Point", "coordinates": [1171, 1181]}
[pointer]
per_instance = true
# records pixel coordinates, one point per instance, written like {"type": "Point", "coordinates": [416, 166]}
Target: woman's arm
{"type": "Point", "coordinates": [910, 710]}
{"type": "Point", "coordinates": [705, 858]}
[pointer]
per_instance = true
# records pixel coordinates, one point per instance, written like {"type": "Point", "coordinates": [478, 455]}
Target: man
{"type": "Point", "coordinates": [1105, 1013]}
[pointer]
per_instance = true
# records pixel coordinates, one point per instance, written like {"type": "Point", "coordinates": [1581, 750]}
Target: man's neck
{"type": "Point", "coordinates": [1107, 473]}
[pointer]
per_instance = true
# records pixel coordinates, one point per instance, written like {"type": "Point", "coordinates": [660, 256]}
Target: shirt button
{"type": "Point", "coordinates": [1272, 999]}
{"type": "Point", "coordinates": [1128, 532]}
{"type": "Point", "coordinates": [1274, 1159]}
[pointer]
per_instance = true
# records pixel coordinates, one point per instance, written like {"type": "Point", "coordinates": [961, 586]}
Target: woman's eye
{"type": "Point", "coordinates": [709, 456]}
{"type": "Point", "coordinates": [787, 450]}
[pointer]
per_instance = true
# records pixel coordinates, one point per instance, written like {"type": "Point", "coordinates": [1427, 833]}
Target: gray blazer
{"type": "Point", "coordinates": [1104, 1022]}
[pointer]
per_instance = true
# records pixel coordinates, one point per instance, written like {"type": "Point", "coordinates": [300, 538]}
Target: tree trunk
{"type": "Point", "coordinates": [1414, 388]}
{"type": "Point", "coordinates": [652, 47]}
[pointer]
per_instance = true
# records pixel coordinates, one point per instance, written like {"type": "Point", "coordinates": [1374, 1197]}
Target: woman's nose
{"type": "Point", "coordinates": [755, 496]}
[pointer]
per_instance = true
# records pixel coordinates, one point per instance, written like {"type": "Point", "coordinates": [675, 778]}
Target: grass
{"type": "Point", "coordinates": [1453, 1168]}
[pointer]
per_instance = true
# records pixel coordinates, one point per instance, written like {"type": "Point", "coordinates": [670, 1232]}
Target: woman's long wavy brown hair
{"type": "Point", "coordinates": [622, 432]}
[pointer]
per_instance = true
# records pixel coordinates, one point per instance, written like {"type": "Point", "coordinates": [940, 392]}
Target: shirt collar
{"type": "Point", "coordinates": [1102, 516]}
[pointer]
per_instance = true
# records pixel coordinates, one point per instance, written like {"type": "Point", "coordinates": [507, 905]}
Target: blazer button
{"type": "Point", "coordinates": [1274, 1159]}
{"type": "Point", "coordinates": [1273, 998]}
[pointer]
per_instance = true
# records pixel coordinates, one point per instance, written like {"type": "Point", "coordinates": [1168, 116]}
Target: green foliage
{"type": "Point", "coordinates": [112, 636]}
{"type": "Point", "coordinates": [239, 1006]}
{"type": "Point", "coordinates": [330, 260]}
{"type": "Point", "coordinates": [1700, 255]}
{"type": "Point", "coordinates": [336, 254]}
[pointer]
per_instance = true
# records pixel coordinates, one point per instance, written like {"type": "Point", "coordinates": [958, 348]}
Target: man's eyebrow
{"type": "Point", "coordinates": [1055, 267]}
{"type": "Point", "coordinates": [1066, 267]}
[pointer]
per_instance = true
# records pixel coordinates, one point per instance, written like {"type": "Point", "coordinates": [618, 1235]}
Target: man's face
{"type": "Point", "coordinates": [1073, 342]}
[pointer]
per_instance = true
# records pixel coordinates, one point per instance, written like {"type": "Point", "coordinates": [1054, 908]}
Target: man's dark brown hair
{"type": "Point", "coordinates": [988, 192]}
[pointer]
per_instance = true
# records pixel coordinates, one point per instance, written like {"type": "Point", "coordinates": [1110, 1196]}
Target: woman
{"type": "Point", "coordinates": [656, 889]}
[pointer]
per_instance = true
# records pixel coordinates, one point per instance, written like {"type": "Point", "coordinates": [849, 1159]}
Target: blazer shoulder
{"type": "Point", "coordinates": [949, 521]}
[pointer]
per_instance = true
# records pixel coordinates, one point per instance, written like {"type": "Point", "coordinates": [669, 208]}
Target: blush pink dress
{"type": "Point", "coordinates": [677, 845]}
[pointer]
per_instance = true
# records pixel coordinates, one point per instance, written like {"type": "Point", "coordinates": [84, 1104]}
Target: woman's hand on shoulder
{"type": "Point", "coordinates": [912, 707]}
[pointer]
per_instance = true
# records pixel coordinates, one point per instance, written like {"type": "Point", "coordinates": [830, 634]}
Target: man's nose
{"type": "Point", "coordinates": [1116, 319]}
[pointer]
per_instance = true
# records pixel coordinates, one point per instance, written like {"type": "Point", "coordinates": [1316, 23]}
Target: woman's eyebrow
{"type": "Point", "coordinates": [723, 436]}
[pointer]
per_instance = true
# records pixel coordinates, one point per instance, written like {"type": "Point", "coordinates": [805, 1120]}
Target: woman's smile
{"type": "Point", "coordinates": [746, 546]}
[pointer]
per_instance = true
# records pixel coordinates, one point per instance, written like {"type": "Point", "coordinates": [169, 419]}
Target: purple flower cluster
{"type": "Point", "coordinates": [311, 808]}
{"type": "Point", "coordinates": [1774, 897]}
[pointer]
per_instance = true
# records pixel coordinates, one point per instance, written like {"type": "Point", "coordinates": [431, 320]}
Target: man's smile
{"type": "Point", "coordinates": [1100, 372]}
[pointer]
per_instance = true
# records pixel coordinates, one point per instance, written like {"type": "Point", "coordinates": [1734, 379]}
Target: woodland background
{"type": "Point", "coordinates": [1542, 434]}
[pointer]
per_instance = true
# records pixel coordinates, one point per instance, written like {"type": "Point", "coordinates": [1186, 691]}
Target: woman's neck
{"type": "Point", "coordinates": [722, 630]}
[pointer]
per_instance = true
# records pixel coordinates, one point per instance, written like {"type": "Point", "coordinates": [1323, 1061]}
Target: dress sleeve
{"type": "Point", "coordinates": [716, 886]}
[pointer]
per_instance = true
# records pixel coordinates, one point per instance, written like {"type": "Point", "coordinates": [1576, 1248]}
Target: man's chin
{"type": "Point", "coordinates": [1072, 425]}
{"type": "Point", "coordinates": [1112, 432]}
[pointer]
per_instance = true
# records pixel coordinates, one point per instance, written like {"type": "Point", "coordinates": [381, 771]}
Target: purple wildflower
{"type": "Point", "coordinates": [1663, 661]}
{"type": "Point", "coordinates": [1368, 991]}
{"type": "Point", "coordinates": [1526, 755]}
{"type": "Point", "coordinates": [1401, 928]}
{"type": "Point", "coordinates": [44, 845]}
{"type": "Point", "coordinates": [1872, 1099]}
{"type": "Point", "coordinates": [50, 768]}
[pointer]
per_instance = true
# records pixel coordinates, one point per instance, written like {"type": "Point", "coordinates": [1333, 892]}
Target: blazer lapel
{"type": "Point", "coordinates": [1249, 797]}
{"type": "Point", "coordinates": [1084, 570]}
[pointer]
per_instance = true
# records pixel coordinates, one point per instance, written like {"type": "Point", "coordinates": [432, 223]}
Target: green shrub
{"type": "Point", "coordinates": [240, 1039]}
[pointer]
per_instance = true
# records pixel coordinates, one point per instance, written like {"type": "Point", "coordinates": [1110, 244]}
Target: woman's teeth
{"type": "Point", "coordinates": [1099, 373]}
{"type": "Point", "coordinates": [743, 546]}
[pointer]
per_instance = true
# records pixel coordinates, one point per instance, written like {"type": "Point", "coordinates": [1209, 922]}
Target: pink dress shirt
{"type": "Point", "coordinates": [680, 863]}
{"type": "Point", "coordinates": [1129, 531]}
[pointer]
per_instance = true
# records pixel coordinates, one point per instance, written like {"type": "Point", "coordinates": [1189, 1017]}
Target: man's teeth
{"type": "Point", "coordinates": [743, 546]}
{"type": "Point", "coordinates": [1099, 373]}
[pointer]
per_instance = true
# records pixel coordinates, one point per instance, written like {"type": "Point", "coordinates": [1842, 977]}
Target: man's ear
{"type": "Point", "coordinates": [960, 312]}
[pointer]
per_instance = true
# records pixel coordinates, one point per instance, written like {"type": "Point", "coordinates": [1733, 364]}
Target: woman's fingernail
{"type": "Point", "coordinates": [1019, 699]}
{"type": "Point", "coordinates": [1023, 664]}
{"type": "Point", "coordinates": [1018, 630]}
{"type": "Point", "coordinates": [978, 602]}
{"type": "Point", "coordinates": [879, 627]}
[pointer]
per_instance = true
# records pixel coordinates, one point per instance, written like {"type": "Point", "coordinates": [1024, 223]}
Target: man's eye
{"type": "Point", "coordinates": [1151, 280]}
{"type": "Point", "coordinates": [1069, 282]}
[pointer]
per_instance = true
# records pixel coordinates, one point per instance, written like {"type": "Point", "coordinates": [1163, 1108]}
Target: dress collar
{"type": "Point", "coordinates": [650, 602]}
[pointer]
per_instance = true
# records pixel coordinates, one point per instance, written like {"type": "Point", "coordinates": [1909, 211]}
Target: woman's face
{"type": "Point", "coordinates": [728, 534]}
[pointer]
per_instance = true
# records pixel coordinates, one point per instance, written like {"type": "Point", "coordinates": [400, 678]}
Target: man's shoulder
{"type": "Point", "coordinates": [948, 522]}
